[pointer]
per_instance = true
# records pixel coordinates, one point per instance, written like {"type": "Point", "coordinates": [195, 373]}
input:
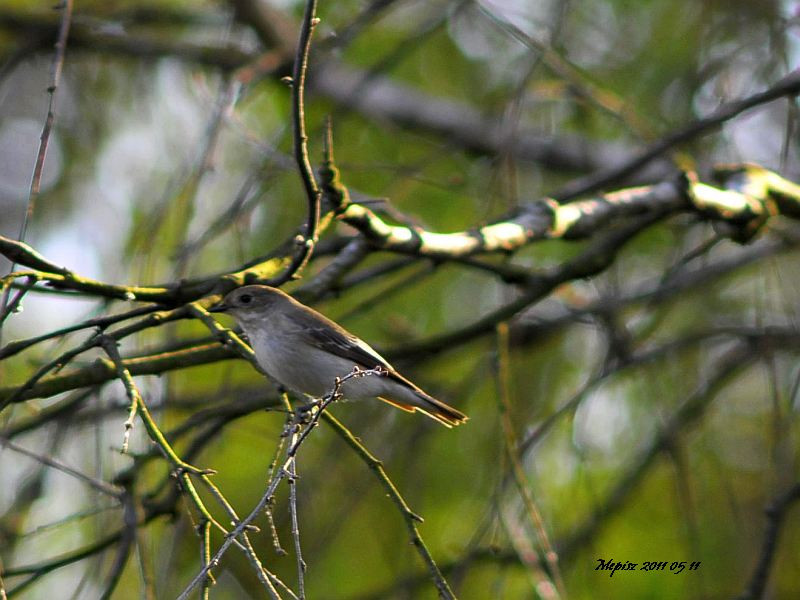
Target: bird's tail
{"type": "Point", "coordinates": [430, 406]}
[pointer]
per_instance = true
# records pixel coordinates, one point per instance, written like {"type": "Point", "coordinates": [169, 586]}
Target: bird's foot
{"type": "Point", "coordinates": [305, 412]}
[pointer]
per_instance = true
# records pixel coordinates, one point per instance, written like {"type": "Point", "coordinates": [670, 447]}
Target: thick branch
{"type": "Point", "coordinates": [749, 195]}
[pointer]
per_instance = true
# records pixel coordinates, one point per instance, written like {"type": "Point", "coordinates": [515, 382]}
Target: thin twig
{"type": "Point", "coordinates": [775, 516]}
{"type": "Point", "coordinates": [513, 453]}
{"type": "Point", "coordinates": [184, 470]}
{"type": "Point", "coordinates": [313, 194]}
{"type": "Point", "coordinates": [14, 347]}
{"type": "Point", "coordinates": [410, 517]}
{"type": "Point", "coordinates": [282, 473]}
{"type": "Point", "coordinates": [3, 595]}
{"type": "Point", "coordinates": [276, 542]}
{"type": "Point", "coordinates": [110, 346]}
{"type": "Point", "coordinates": [349, 257]}
{"type": "Point", "coordinates": [97, 484]}
{"type": "Point", "coordinates": [205, 557]}
{"type": "Point", "coordinates": [95, 340]}
{"type": "Point", "coordinates": [293, 426]}
{"type": "Point", "coordinates": [44, 139]}
{"type": "Point", "coordinates": [301, 564]}
{"type": "Point", "coordinates": [787, 87]}
{"type": "Point", "coordinates": [8, 308]}
{"type": "Point", "coordinates": [123, 547]}
{"type": "Point", "coordinates": [226, 336]}
{"type": "Point", "coordinates": [144, 553]}
{"type": "Point", "coordinates": [58, 64]}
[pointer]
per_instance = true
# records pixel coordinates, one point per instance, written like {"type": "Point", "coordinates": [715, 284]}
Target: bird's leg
{"type": "Point", "coordinates": [302, 414]}
{"type": "Point", "coordinates": [305, 412]}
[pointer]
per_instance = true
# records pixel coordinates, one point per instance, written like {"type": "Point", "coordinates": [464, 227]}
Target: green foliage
{"type": "Point", "coordinates": [132, 193]}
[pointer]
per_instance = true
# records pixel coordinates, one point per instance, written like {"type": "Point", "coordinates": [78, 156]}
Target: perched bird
{"type": "Point", "coordinates": [305, 351]}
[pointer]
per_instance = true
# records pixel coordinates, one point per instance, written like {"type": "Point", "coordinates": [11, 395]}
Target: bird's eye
{"type": "Point", "coordinates": [245, 298]}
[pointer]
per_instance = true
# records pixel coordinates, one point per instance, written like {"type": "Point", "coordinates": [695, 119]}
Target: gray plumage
{"type": "Point", "coordinates": [305, 351]}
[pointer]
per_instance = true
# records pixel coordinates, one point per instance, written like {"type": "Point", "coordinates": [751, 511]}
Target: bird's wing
{"type": "Point", "coordinates": [320, 332]}
{"type": "Point", "coordinates": [326, 335]}
{"type": "Point", "coordinates": [342, 343]}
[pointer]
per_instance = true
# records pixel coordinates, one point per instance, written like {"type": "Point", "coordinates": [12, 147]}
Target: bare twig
{"type": "Point", "coordinates": [8, 308]}
{"type": "Point", "coordinates": [44, 139]}
{"type": "Point", "coordinates": [282, 473]}
{"type": "Point", "coordinates": [301, 564]}
{"type": "Point", "coordinates": [97, 484]}
{"type": "Point", "coordinates": [124, 547]}
{"type": "Point", "coordinates": [205, 556]}
{"type": "Point", "coordinates": [776, 513]}
{"type": "Point", "coordinates": [788, 86]}
{"type": "Point", "coordinates": [15, 347]}
{"type": "Point", "coordinates": [58, 64]}
{"type": "Point", "coordinates": [730, 364]}
{"type": "Point", "coordinates": [3, 595]}
{"type": "Point", "coordinates": [313, 194]}
{"type": "Point", "coordinates": [185, 470]}
{"type": "Point", "coordinates": [513, 453]}
{"type": "Point", "coordinates": [110, 346]}
{"type": "Point", "coordinates": [410, 517]}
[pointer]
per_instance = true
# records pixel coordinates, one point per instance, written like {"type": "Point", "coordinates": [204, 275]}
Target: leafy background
{"type": "Point", "coordinates": [133, 187]}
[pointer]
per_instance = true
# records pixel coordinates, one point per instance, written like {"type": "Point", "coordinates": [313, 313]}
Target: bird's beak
{"type": "Point", "coordinates": [218, 308]}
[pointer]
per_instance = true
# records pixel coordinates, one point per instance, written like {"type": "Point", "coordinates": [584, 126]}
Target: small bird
{"type": "Point", "coordinates": [304, 351]}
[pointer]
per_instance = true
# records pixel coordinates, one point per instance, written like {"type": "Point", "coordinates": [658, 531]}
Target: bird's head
{"type": "Point", "coordinates": [250, 302]}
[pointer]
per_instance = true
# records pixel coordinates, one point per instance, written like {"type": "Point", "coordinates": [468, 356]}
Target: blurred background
{"type": "Point", "coordinates": [644, 414]}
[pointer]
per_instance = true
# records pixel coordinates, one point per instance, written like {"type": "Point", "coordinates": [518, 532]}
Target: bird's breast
{"type": "Point", "coordinates": [293, 365]}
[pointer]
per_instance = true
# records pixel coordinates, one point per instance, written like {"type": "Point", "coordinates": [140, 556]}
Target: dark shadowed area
{"type": "Point", "coordinates": [575, 222]}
